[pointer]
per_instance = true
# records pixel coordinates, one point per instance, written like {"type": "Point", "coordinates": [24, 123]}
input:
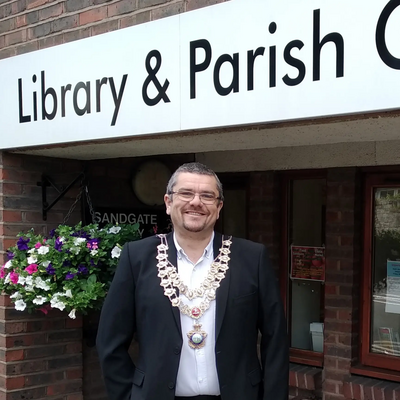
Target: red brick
{"type": "Point", "coordinates": [15, 37]}
{"type": "Point", "coordinates": [50, 12]}
{"type": "Point", "coordinates": [36, 3]}
{"type": "Point", "coordinates": [12, 216]}
{"type": "Point", "coordinates": [12, 188]}
{"type": "Point", "coordinates": [15, 327]}
{"type": "Point", "coordinates": [121, 7]}
{"type": "Point", "coordinates": [292, 379]}
{"type": "Point", "coordinates": [74, 373]}
{"type": "Point", "coordinates": [195, 4]}
{"type": "Point", "coordinates": [347, 390]}
{"type": "Point", "coordinates": [378, 391]}
{"type": "Point", "coordinates": [74, 397]}
{"type": "Point", "coordinates": [5, 301]}
{"type": "Point", "coordinates": [14, 355]}
{"type": "Point", "coordinates": [17, 382]}
{"type": "Point", "coordinates": [343, 365]}
{"type": "Point", "coordinates": [73, 348]}
{"type": "Point", "coordinates": [74, 323]}
{"type": "Point", "coordinates": [7, 243]}
{"type": "Point", "coordinates": [93, 15]}
{"type": "Point", "coordinates": [20, 21]}
{"type": "Point", "coordinates": [331, 289]}
{"type": "Point", "coordinates": [368, 392]}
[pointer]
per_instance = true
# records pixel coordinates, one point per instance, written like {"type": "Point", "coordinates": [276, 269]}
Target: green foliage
{"type": "Point", "coordinates": [71, 269]}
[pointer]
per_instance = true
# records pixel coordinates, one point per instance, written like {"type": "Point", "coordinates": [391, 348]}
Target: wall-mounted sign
{"type": "Point", "coordinates": [307, 263]}
{"type": "Point", "coordinates": [235, 63]}
{"type": "Point", "coordinates": [151, 221]}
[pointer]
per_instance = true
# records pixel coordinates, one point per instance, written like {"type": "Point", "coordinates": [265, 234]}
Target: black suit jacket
{"type": "Point", "coordinates": [247, 302]}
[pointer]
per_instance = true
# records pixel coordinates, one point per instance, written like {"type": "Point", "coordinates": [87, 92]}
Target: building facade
{"type": "Point", "coordinates": [295, 106]}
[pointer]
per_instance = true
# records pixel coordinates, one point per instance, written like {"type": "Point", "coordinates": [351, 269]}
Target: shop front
{"type": "Point", "coordinates": [294, 104]}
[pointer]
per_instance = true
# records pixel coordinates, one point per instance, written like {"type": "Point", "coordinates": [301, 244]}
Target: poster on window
{"type": "Point", "coordinates": [308, 263]}
{"type": "Point", "coordinates": [393, 287]}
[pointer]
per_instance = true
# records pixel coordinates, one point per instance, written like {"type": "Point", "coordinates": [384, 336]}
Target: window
{"type": "Point", "coordinates": [303, 266]}
{"type": "Point", "coordinates": [381, 283]}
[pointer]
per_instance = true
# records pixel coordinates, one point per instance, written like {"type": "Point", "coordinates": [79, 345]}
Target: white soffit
{"type": "Point", "coordinates": [373, 129]}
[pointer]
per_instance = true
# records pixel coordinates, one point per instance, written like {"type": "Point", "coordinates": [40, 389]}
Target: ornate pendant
{"type": "Point", "coordinates": [197, 337]}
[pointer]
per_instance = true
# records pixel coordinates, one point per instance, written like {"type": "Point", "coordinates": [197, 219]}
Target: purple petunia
{"type": "Point", "coordinates": [52, 233]}
{"type": "Point", "coordinates": [10, 255]}
{"type": "Point", "coordinates": [82, 269]}
{"type": "Point", "coordinates": [66, 263]}
{"type": "Point", "coordinates": [58, 244]}
{"type": "Point", "coordinates": [23, 243]}
{"type": "Point", "coordinates": [50, 270]}
{"type": "Point", "coordinates": [69, 276]}
{"type": "Point", "coordinates": [81, 234]}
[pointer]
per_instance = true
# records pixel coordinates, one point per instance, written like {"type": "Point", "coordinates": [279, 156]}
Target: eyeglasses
{"type": "Point", "coordinates": [205, 198]}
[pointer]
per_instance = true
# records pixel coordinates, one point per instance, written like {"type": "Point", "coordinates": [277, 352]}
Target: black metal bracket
{"type": "Point", "coordinates": [47, 182]}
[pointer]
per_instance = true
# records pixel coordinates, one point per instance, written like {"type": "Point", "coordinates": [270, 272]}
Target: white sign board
{"type": "Point", "coordinates": [235, 63]}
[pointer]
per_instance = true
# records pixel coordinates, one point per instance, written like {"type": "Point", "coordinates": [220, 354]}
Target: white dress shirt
{"type": "Point", "coordinates": [197, 373]}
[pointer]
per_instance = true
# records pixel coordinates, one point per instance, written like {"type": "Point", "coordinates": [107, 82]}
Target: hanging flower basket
{"type": "Point", "coordinates": [70, 270]}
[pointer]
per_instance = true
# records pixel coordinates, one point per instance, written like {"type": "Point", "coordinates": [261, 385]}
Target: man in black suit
{"type": "Point", "coordinates": [197, 302]}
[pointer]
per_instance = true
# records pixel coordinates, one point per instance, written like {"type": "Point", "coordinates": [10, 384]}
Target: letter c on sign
{"type": "Point", "coordinates": [390, 60]}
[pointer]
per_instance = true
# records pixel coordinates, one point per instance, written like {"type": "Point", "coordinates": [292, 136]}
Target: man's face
{"type": "Point", "coordinates": [193, 216]}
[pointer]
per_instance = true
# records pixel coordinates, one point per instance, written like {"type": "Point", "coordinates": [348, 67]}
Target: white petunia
{"type": "Point", "coordinates": [20, 305]}
{"type": "Point", "coordinates": [75, 250]}
{"type": "Point", "coordinates": [29, 280]}
{"type": "Point", "coordinates": [57, 304]}
{"type": "Point", "coordinates": [8, 264]}
{"type": "Point", "coordinates": [68, 293]}
{"type": "Point", "coordinates": [72, 314]}
{"type": "Point", "coordinates": [115, 252]}
{"type": "Point", "coordinates": [29, 288]}
{"type": "Point", "coordinates": [39, 300]}
{"type": "Point", "coordinates": [114, 229]}
{"type": "Point", "coordinates": [41, 284]}
{"type": "Point", "coordinates": [7, 279]}
{"type": "Point", "coordinates": [16, 295]}
{"type": "Point", "coordinates": [43, 249]}
{"type": "Point", "coordinates": [32, 260]}
{"type": "Point", "coordinates": [78, 241]}
{"type": "Point", "coordinates": [32, 250]}
{"type": "Point", "coordinates": [45, 263]}
{"type": "Point", "coordinates": [21, 280]}
{"type": "Point", "coordinates": [93, 252]}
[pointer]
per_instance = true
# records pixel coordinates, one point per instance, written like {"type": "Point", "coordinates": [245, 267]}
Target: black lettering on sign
{"type": "Point", "coordinates": [388, 58]}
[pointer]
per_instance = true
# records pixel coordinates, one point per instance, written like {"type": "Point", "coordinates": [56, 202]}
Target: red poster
{"type": "Point", "coordinates": [308, 263]}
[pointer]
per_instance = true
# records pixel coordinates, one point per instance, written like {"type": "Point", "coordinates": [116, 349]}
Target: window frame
{"type": "Point", "coordinates": [368, 358]}
{"type": "Point", "coordinates": [299, 356]}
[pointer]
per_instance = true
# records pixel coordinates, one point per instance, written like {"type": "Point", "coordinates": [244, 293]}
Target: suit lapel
{"type": "Point", "coordinates": [172, 256]}
{"type": "Point", "coordinates": [223, 290]}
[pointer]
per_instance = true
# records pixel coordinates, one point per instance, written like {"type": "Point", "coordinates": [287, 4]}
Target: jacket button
{"type": "Point", "coordinates": [171, 385]}
{"type": "Point", "coordinates": [177, 350]}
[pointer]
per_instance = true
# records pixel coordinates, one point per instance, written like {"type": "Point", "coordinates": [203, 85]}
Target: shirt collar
{"type": "Point", "coordinates": [207, 251]}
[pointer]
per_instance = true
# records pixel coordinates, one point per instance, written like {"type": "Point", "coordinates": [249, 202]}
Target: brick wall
{"type": "Point", "coordinates": [29, 25]}
{"type": "Point", "coordinates": [21, 197]}
{"type": "Point", "coordinates": [41, 356]}
{"type": "Point", "coordinates": [343, 231]}
{"type": "Point", "coordinates": [264, 212]}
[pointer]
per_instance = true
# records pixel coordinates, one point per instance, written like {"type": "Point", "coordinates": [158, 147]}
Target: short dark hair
{"type": "Point", "coordinates": [194, 168]}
